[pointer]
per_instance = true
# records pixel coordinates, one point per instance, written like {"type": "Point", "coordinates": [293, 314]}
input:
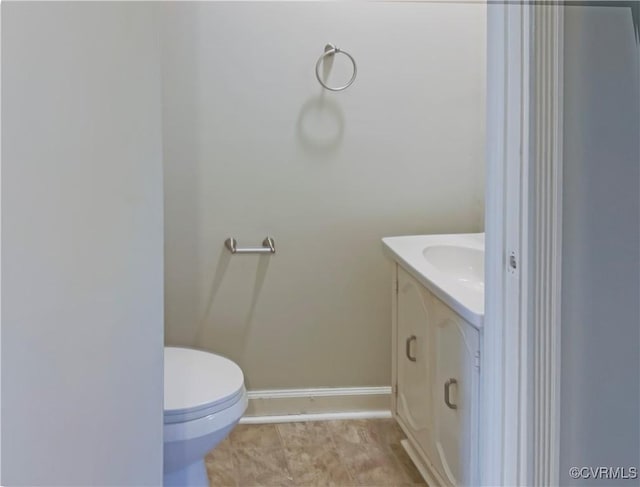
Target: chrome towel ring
{"type": "Point", "coordinates": [330, 50]}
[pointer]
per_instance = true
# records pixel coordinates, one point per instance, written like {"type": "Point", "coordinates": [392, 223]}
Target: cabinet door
{"type": "Point", "coordinates": [455, 395]}
{"type": "Point", "coordinates": [415, 360]}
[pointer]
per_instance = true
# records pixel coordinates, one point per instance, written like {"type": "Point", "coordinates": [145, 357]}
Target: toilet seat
{"type": "Point", "coordinates": [198, 384]}
{"type": "Point", "coordinates": [171, 417]}
{"type": "Point", "coordinates": [205, 398]}
{"type": "Point", "coordinates": [199, 427]}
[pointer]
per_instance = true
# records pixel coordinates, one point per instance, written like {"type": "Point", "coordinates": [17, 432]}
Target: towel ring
{"type": "Point", "coordinates": [330, 50]}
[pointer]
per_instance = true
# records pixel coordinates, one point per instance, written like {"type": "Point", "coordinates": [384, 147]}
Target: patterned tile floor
{"type": "Point", "coordinates": [322, 453]}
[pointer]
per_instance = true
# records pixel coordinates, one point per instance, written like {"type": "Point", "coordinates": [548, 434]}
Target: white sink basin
{"type": "Point", "coordinates": [462, 264]}
{"type": "Point", "coordinates": [450, 266]}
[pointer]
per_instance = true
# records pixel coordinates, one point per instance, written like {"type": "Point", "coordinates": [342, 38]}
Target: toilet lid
{"type": "Point", "coordinates": [195, 380]}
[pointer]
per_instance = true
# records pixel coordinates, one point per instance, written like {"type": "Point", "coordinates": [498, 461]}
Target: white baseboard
{"type": "Point", "coordinates": [284, 405]}
{"type": "Point", "coordinates": [293, 418]}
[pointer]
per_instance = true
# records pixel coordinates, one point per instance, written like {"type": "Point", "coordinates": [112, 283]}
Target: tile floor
{"type": "Point", "coordinates": [322, 453]}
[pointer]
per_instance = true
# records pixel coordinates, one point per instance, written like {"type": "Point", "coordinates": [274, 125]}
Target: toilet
{"type": "Point", "coordinates": [204, 398]}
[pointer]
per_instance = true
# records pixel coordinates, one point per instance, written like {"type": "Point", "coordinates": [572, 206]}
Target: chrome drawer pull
{"type": "Point", "coordinates": [447, 399]}
{"type": "Point", "coordinates": [408, 347]}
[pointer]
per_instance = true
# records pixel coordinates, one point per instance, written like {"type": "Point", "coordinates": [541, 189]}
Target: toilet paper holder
{"type": "Point", "coordinates": [268, 247]}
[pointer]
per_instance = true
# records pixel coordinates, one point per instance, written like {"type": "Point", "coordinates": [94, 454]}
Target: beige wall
{"type": "Point", "coordinates": [254, 147]}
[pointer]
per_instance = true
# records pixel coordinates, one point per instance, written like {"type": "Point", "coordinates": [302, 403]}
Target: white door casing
{"type": "Point", "coordinates": [545, 229]}
{"type": "Point", "coordinates": [520, 359]}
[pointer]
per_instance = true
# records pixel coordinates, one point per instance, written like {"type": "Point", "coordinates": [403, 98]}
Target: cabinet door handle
{"type": "Point", "coordinates": [408, 347]}
{"type": "Point", "coordinates": [447, 400]}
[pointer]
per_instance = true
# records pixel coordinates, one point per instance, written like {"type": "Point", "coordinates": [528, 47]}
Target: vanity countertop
{"type": "Point", "coordinates": [450, 266]}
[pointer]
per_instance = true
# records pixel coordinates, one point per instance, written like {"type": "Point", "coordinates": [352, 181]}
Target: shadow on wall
{"type": "Point", "coordinates": [320, 131]}
{"type": "Point", "coordinates": [221, 269]}
{"type": "Point", "coordinates": [320, 125]}
{"type": "Point", "coordinates": [183, 269]}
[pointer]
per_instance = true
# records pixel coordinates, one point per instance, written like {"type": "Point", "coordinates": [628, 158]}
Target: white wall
{"type": "Point", "coordinates": [82, 245]}
{"type": "Point", "coordinates": [600, 394]}
{"type": "Point", "coordinates": [255, 147]}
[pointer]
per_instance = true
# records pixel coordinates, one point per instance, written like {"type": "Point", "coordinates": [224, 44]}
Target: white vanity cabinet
{"type": "Point", "coordinates": [436, 359]}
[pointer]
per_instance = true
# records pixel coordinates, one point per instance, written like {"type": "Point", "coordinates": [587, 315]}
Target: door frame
{"type": "Point", "coordinates": [519, 427]}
